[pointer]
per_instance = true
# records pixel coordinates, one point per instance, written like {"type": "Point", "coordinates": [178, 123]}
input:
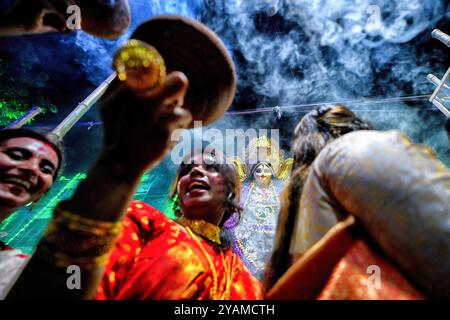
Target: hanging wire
{"type": "Point", "coordinates": [310, 106]}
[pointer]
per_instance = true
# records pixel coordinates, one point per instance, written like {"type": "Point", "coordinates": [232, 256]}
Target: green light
{"type": "Point", "coordinates": [25, 228]}
{"type": "Point", "coordinates": [11, 218]}
{"type": "Point", "coordinates": [51, 204]}
{"type": "Point", "coordinates": [15, 101]}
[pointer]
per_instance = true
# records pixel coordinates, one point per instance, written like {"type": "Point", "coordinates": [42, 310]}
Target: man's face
{"type": "Point", "coordinates": [27, 169]}
{"type": "Point", "coordinates": [202, 191]}
{"type": "Point", "coordinates": [102, 18]}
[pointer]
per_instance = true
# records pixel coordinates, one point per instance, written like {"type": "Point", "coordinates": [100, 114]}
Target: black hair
{"type": "Point", "coordinates": [314, 132]}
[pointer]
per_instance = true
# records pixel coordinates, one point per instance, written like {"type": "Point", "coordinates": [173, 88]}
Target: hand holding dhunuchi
{"type": "Point", "coordinates": [142, 109]}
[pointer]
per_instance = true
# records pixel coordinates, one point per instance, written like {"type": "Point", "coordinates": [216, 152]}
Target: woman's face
{"type": "Point", "coordinates": [202, 191]}
{"type": "Point", "coordinates": [262, 174]}
{"type": "Point", "coordinates": [27, 169]}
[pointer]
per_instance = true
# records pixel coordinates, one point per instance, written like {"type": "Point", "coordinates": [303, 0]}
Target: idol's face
{"type": "Point", "coordinates": [262, 174]}
{"type": "Point", "coordinates": [202, 190]}
{"type": "Point", "coordinates": [108, 19]}
{"type": "Point", "coordinates": [27, 170]}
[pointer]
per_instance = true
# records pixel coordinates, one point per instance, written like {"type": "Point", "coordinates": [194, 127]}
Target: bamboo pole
{"type": "Point", "coordinates": [34, 111]}
{"type": "Point", "coordinates": [61, 130]}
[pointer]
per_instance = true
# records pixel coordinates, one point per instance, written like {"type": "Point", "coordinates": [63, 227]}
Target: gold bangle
{"type": "Point", "coordinates": [77, 223]}
{"type": "Point", "coordinates": [62, 260]}
{"type": "Point", "coordinates": [78, 244]}
{"type": "Point", "coordinates": [74, 240]}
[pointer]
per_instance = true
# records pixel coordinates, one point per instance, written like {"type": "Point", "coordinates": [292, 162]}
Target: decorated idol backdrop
{"type": "Point", "coordinates": [263, 172]}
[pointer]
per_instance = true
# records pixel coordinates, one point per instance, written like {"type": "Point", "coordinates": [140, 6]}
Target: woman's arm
{"type": "Point", "coordinates": [137, 134]}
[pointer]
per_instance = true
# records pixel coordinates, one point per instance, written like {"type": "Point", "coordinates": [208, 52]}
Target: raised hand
{"type": "Point", "coordinates": [138, 126]}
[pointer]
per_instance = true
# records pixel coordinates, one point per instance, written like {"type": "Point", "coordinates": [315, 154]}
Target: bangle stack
{"type": "Point", "coordinates": [71, 239]}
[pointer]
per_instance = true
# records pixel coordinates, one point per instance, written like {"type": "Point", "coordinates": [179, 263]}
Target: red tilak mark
{"type": "Point", "coordinates": [45, 146]}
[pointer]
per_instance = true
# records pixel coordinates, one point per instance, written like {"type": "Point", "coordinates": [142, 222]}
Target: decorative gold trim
{"type": "Point", "coordinates": [227, 274]}
{"type": "Point", "coordinates": [273, 155]}
{"type": "Point", "coordinates": [240, 167]}
{"type": "Point", "coordinates": [202, 228]}
{"type": "Point", "coordinates": [213, 291]}
{"type": "Point", "coordinates": [285, 169]}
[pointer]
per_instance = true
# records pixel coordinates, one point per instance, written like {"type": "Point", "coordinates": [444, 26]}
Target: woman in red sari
{"type": "Point", "coordinates": [159, 258]}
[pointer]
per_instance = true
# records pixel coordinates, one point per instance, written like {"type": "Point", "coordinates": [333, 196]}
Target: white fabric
{"type": "Point", "coordinates": [11, 265]}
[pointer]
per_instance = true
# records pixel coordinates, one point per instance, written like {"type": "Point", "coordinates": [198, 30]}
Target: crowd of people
{"type": "Point", "coordinates": [356, 197]}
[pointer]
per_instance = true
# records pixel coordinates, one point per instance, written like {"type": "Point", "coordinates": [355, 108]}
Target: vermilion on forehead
{"type": "Point", "coordinates": [27, 143]}
{"type": "Point", "coordinates": [45, 147]}
{"type": "Point", "coordinates": [33, 145]}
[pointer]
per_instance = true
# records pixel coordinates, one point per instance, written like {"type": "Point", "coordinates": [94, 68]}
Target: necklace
{"type": "Point", "coordinates": [215, 277]}
{"type": "Point", "coordinates": [202, 228]}
{"type": "Point", "coordinates": [228, 270]}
